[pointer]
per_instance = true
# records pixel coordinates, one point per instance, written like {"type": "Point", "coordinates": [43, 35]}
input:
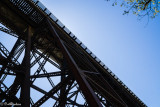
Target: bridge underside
{"type": "Point", "coordinates": [47, 62]}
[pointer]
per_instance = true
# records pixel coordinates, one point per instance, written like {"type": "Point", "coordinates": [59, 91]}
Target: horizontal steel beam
{"type": "Point", "coordinates": [59, 73]}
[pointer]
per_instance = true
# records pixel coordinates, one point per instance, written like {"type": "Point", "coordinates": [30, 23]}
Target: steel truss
{"type": "Point", "coordinates": [44, 65]}
{"type": "Point", "coordinates": [72, 77]}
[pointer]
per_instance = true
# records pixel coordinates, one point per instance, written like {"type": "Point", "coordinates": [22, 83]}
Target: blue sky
{"type": "Point", "coordinates": [129, 47]}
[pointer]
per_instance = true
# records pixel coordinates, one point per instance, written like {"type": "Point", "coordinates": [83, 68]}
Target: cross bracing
{"type": "Point", "coordinates": [42, 39]}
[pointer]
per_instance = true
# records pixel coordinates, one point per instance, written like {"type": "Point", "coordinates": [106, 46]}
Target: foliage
{"type": "Point", "coordinates": [140, 8]}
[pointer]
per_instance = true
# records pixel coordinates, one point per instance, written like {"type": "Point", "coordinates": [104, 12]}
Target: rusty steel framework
{"type": "Point", "coordinates": [48, 63]}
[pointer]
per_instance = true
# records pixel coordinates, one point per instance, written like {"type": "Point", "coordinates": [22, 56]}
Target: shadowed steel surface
{"type": "Point", "coordinates": [46, 53]}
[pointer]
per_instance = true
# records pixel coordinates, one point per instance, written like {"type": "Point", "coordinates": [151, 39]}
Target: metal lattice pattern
{"type": "Point", "coordinates": [49, 61]}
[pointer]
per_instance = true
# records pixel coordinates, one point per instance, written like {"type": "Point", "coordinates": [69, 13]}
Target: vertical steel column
{"type": "Point", "coordinates": [25, 85]}
{"type": "Point", "coordinates": [62, 101]}
{"type": "Point", "coordinates": [88, 92]}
